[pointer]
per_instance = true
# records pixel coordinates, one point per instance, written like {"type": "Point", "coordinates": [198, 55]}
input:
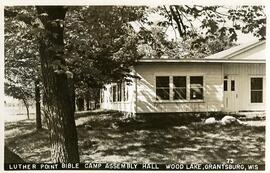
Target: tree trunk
{"type": "Point", "coordinates": [27, 108]}
{"type": "Point", "coordinates": [96, 105]}
{"type": "Point", "coordinates": [38, 113]}
{"type": "Point", "coordinates": [87, 100]}
{"type": "Point", "coordinates": [80, 104]}
{"type": "Point", "coordinates": [58, 86]}
{"type": "Point", "coordinates": [97, 99]}
{"type": "Point", "coordinates": [27, 112]}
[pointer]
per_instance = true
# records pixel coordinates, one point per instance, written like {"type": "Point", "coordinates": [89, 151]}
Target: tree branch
{"type": "Point", "coordinates": [176, 21]}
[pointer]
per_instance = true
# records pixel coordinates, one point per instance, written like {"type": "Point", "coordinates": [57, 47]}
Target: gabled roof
{"type": "Point", "coordinates": [233, 52]}
{"type": "Point", "coordinates": [254, 52]}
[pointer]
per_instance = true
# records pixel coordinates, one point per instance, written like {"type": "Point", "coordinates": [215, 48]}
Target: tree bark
{"type": "Point", "coordinates": [27, 108]}
{"type": "Point", "coordinates": [80, 104]}
{"type": "Point", "coordinates": [38, 113]}
{"type": "Point", "coordinates": [97, 98]}
{"type": "Point", "coordinates": [87, 100]}
{"type": "Point", "coordinates": [58, 86]}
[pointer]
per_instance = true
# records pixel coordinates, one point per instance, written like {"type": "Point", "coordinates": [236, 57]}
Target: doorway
{"type": "Point", "coordinates": [230, 88]}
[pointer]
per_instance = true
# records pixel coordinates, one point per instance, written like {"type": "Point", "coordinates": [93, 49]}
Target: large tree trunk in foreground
{"type": "Point", "coordinates": [58, 86]}
{"type": "Point", "coordinates": [38, 113]}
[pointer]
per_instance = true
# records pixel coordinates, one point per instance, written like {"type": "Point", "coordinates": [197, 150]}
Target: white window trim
{"type": "Point", "coordinates": [188, 100]}
{"type": "Point", "coordinates": [123, 84]}
{"type": "Point", "coordinates": [119, 92]}
{"type": "Point", "coordinates": [249, 89]}
{"type": "Point", "coordinates": [202, 87]}
{"type": "Point", "coordinates": [170, 85]}
{"type": "Point", "coordinates": [179, 100]}
{"type": "Point", "coordinates": [116, 95]}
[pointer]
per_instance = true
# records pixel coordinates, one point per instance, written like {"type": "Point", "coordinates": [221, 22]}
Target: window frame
{"type": "Point", "coordinates": [250, 90]}
{"type": "Point", "coordinates": [124, 91]}
{"type": "Point", "coordinates": [187, 100]}
{"type": "Point", "coordinates": [119, 92]}
{"type": "Point", "coordinates": [156, 88]}
{"type": "Point", "coordinates": [196, 87]}
{"type": "Point", "coordinates": [173, 87]}
{"type": "Point", "coordinates": [114, 93]}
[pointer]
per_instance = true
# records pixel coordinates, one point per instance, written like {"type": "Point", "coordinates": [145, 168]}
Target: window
{"type": "Point", "coordinates": [196, 87]}
{"type": "Point", "coordinates": [225, 85]}
{"type": "Point", "coordinates": [125, 91]}
{"type": "Point", "coordinates": [256, 90]}
{"type": "Point", "coordinates": [111, 94]}
{"type": "Point", "coordinates": [179, 88]}
{"type": "Point", "coordinates": [232, 85]}
{"type": "Point", "coordinates": [162, 88]}
{"type": "Point", "coordinates": [119, 92]}
{"type": "Point", "coordinates": [114, 93]}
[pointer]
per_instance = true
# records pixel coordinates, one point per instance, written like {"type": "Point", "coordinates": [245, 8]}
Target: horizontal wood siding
{"type": "Point", "coordinates": [213, 89]}
{"type": "Point", "coordinates": [145, 99]}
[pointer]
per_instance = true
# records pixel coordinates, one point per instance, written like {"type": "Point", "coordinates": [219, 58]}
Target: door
{"type": "Point", "coordinates": [230, 87]}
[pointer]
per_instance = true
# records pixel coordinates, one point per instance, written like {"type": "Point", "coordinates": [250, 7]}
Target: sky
{"type": "Point", "coordinates": [242, 38]}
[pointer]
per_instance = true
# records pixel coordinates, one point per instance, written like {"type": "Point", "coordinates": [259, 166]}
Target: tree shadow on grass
{"type": "Point", "coordinates": [26, 141]}
{"type": "Point", "coordinates": [194, 143]}
{"type": "Point", "coordinates": [103, 139]}
{"type": "Point", "coordinates": [22, 124]}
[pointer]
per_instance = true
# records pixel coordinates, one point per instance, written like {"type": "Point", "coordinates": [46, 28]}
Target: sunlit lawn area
{"type": "Point", "coordinates": [104, 138]}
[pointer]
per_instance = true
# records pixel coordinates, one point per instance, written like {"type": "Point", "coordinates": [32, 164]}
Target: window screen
{"type": "Point", "coordinates": [196, 87]}
{"type": "Point", "coordinates": [256, 90]}
{"type": "Point", "coordinates": [162, 88]}
{"type": "Point", "coordinates": [179, 87]}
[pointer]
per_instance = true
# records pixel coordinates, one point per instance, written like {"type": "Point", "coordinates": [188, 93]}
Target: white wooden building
{"type": "Point", "coordinates": [232, 80]}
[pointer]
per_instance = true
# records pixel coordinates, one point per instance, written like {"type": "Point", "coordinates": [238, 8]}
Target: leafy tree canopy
{"type": "Point", "coordinates": [101, 45]}
{"type": "Point", "coordinates": [21, 54]}
{"type": "Point", "coordinates": [101, 42]}
{"type": "Point", "coordinates": [202, 30]}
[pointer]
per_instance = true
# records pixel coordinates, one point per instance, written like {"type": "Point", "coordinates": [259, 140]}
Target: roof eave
{"type": "Point", "coordinates": [200, 61]}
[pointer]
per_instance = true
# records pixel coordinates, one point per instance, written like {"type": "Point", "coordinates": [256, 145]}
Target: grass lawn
{"type": "Point", "coordinates": [103, 139]}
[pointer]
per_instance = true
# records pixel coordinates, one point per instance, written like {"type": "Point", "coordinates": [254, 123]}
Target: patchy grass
{"type": "Point", "coordinates": [103, 137]}
{"type": "Point", "coordinates": [31, 145]}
